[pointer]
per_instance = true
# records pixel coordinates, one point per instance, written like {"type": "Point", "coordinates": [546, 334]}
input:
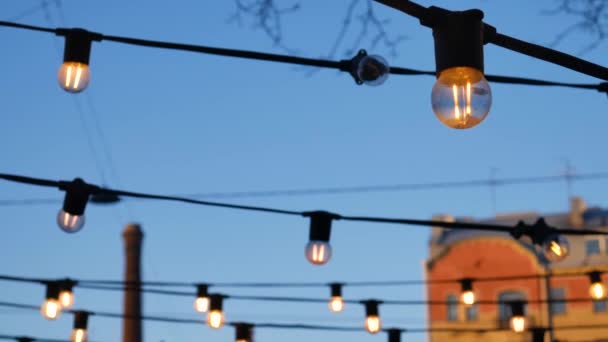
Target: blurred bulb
{"type": "Point", "coordinates": [518, 324]}
{"type": "Point", "coordinates": [74, 77]}
{"type": "Point", "coordinates": [70, 223]}
{"type": "Point", "coordinates": [373, 70]}
{"type": "Point", "coordinates": [318, 252]}
{"type": "Point", "coordinates": [597, 291]}
{"type": "Point", "coordinates": [336, 304]}
{"type": "Point", "coordinates": [51, 309]}
{"type": "Point", "coordinates": [201, 304]}
{"type": "Point", "coordinates": [556, 248]}
{"type": "Point", "coordinates": [78, 335]}
{"type": "Point", "coordinates": [461, 97]}
{"type": "Point", "coordinates": [373, 324]}
{"type": "Point", "coordinates": [468, 298]}
{"type": "Point", "coordinates": [66, 298]}
{"type": "Point", "coordinates": [215, 319]}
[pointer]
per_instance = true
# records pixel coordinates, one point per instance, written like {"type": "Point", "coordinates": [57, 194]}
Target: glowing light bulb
{"type": "Point", "coordinates": [597, 291]}
{"type": "Point", "coordinates": [461, 97]}
{"type": "Point", "coordinates": [51, 309]}
{"type": "Point", "coordinates": [74, 77]}
{"type": "Point", "coordinates": [215, 319]}
{"type": "Point", "coordinates": [69, 223]}
{"type": "Point", "coordinates": [201, 304]}
{"type": "Point", "coordinates": [373, 70]}
{"type": "Point", "coordinates": [66, 298]}
{"type": "Point", "coordinates": [78, 335]}
{"type": "Point", "coordinates": [468, 298]}
{"type": "Point", "coordinates": [373, 324]}
{"type": "Point", "coordinates": [318, 252]}
{"type": "Point", "coordinates": [556, 248]}
{"type": "Point", "coordinates": [336, 304]}
{"type": "Point", "coordinates": [518, 324]}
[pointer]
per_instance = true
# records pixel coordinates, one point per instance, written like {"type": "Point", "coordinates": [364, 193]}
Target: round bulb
{"type": "Point", "coordinates": [318, 252]}
{"type": "Point", "coordinates": [215, 319]}
{"type": "Point", "coordinates": [66, 298]}
{"type": "Point", "coordinates": [372, 324]}
{"type": "Point", "coordinates": [556, 248]}
{"type": "Point", "coordinates": [70, 223]}
{"type": "Point", "coordinates": [201, 304]}
{"type": "Point", "coordinates": [373, 70]}
{"type": "Point", "coordinates": [461, 97]}
{"type": "Point", "coordinates": [468, 297]}
{"type": "Point", "coordinates": [51, 309]}
{"type": "Point", "coordinates": [597, 291]}
{"type": "Point", "coordinates": [518, 324]}
{"type": "Point", "coordinates": [74, 77]}
{"type": "Point", "coordinates": [78, 335]}
{"type": "Point", "coordinates": [336, 304]}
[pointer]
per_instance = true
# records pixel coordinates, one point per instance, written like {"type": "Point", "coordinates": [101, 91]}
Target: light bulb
{"type": "Point", "coordinates": [215, 319]}
{"type": "Point", "coordinates": [201, 304]}
{"type": "Point", "coordinates": [461, 97]}
{"type": "Point", "coordinates": [51, 309]}
{"type": "Point", "coordinates": [518, 324]}
{"type": "Point", "coordinates": [373, 70]}
{"type": "Point", "coordinates": [318, 252]}
{"type": "Point", "coordinates": [74, 77]}
{"type": "Point", "coordinates": [336, 304]}
{"type": "Point", "coordinates": [373, 324]}
{"type": "Point", "coordinates": [78, 335]}
{"type": "Point", "coordinates": [556, 247]}
{"type": "Point", "coordinates": [66, 298]}
{"type": "Point", "coordinates": [69, 223]}
{"type": "Point", "coordinates": [597, 291]}
{"type": "Point", "coordinates": [468, 298]}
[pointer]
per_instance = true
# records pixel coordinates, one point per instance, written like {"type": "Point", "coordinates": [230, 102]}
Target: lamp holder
{"type": "Point", "coordinates": [371, 307]}
{"type": "Point", "coordinates": [336, 289]}
{"type": "Point", "coordinates": [466, 284]}
{"type": "Point", "coordinates": [77, 194]}
{"type": "Point", "coordinates": [517, 308]}
{"type": "Point", "coordinates": [52, 290]}
{"type": "Point", "coordinates": [81, 319]}
{"type": "Point", "coordinates": [351, 65]}
{"type": "Point", "coordinates": [77, 44]}
{"type": "Point", "coordinates": [216, 302]}
{"type": "Point", "coordinates": [538, 232]}
{"type": "Point", "coordinates": [320, 224]}
{"type": "Point", "coordinates": [202, 290]}
{"type": "Point", "coordinates": [394, 335]}
{"type": "Point", "coordinates": [243, 332]}
{"type": "Point", "coordinates": [595, 277]}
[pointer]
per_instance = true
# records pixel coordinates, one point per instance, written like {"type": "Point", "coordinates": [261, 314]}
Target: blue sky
{"type": "Point", "coordinates": [185, 123]}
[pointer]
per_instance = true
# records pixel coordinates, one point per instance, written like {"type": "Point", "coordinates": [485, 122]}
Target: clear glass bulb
{"type": "Point", "coordinates": [201, 304]}
{"type": "Point", "coordinates": [66, 298]}
{"type": "Point", "coordinates": [518, 324]}
{"type": "Point", "coordinates": [597, 291]}
{"type": "Point", "coordinates": [74, 77]}
{"type": "Point", "coordinates": [468, 297]}
{"type": "Point", "coordinates": [336, 304]}
{"type": "Point", "coordinates": [78, 335]}
{"type": "Point", "coordinates": [318, 252]}
{"type": "Point", "coordinates": [373, 70]}
{"type": "Point", "coordinates": [51, 309]}
{"type": "Point", "coordinates": [556, 248]}
{"type": "Point", "coordinates": [373, 324]}
{"type": "Point", "coordinates": [69, 223]}
{"type": "Point", "coordinates": [461, 97]}
{"type": "Point", "coordinates": [215, 319]}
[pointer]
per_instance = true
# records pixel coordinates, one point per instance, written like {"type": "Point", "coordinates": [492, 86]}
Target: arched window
{"type": "Point", "coordinates": [452, 307]}
{"type": "Point", "coordinates": [504, 309]}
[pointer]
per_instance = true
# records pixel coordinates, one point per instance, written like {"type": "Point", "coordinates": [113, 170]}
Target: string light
{"type": "Point", "coordinates": [467, 295]}
{"type": "Point", "coordinates": [66, 295]}
{"type": "Point", "coordinates": [243, 332]}
{"type": "Point", "coordinates": [71, 217]}
{"type": "Point", "coordinates": [51, 308]}
{"type": "Point", "coordinates": [201, 303]}
{"type": "Point", "coordinates": [373, 324]}
{"type": "Point", "coordinates": [371, 70]}
{"type": "Point", "coordinates": [336, 303]}
{"type": "Point", "coordinates": [554, 245]}
{"type": "Point", "coordinates": [318, 250]}
{"type": "Point", "coordinates": [518, 321]}
{"type": "Point", "coordinates": [79, 333]}
{"type": "Point", "coordinates": [597, 290]}
{"type": "Point", "coordinates": [215, 317]}
{"type": "Point", "coordinates": [74, 74]}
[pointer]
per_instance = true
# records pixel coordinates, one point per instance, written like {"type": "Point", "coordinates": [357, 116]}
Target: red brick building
{"type": "Point", "coordinates": [461, 254]}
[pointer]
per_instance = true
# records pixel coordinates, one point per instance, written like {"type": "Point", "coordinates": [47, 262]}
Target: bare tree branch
{"type": "Point", "coordinates": [592, 16]}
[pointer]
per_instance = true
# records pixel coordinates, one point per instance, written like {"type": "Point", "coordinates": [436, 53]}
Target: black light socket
{"type": "Point", "coordinates": [77, 194]}
{"type": "Point", "coordinates": [244, 332]}
{"type": "Point", "coordinates": [336, 289]}
{"type": "Point", "coordinates": [216, 302]}
{"type": "Point", "coordinates": [66, 285]}
{"type": "Point", "coordinates": [595, 277]}
{"type": "Point", "coordinates": [320, 225]}
{"type": "Point", "coordinates": [371, 308]}
{"type": "Point", "coordinates": [78, 44]}
{"type": "Point", "coordinates": [81, 320]}
{"type": "Point", "coordinates": [202, 290]}
{"type": "Point", "coordinates": [466, 284]}
{"type": "Point", "coordinates": [52, 290]}
{"type": "Point", "coordinates": [538, 334]}
{"type": "Point", "coordinates": [517, 308]}
{"type": "Point", "coordinates": [394, 335]}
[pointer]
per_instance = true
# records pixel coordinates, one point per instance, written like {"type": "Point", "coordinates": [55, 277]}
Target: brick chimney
{"type": "Point", "coordinates": [577, 209]}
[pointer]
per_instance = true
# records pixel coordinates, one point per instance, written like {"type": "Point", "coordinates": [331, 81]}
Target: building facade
{"type": "Point", "coordinates": [473, 254]}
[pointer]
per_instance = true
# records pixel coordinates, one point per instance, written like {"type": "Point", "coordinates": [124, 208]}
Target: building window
{"type": "Point", "coordinates": [558, 308]}
{"type": "Point", "coordinates": [504, 307]}
{"type": "Point", "coordinates": [600, 305]}
{"type": "Point", "coordinates": [452, 308]}
{"type": "Point", "coordinates": [592, 247]}
{"type": "Point", "coordinates": [471, 312]}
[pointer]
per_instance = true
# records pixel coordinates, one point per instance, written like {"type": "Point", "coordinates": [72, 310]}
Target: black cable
{"type": "Point", "coordinates": [29, 338]}
{"type": "Point", "coordinates": [343, 65]}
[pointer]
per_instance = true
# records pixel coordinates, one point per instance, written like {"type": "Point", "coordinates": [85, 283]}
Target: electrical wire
{"type": "Point", "coordinates": [29, 338]}
{"type": "Point", "coordinates": [342, 65]}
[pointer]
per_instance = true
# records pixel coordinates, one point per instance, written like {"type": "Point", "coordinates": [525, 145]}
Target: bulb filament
{"type": "Point", "coordinates": [465, 91]}
{"type": "Point", "coordinates": [318, 253]}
